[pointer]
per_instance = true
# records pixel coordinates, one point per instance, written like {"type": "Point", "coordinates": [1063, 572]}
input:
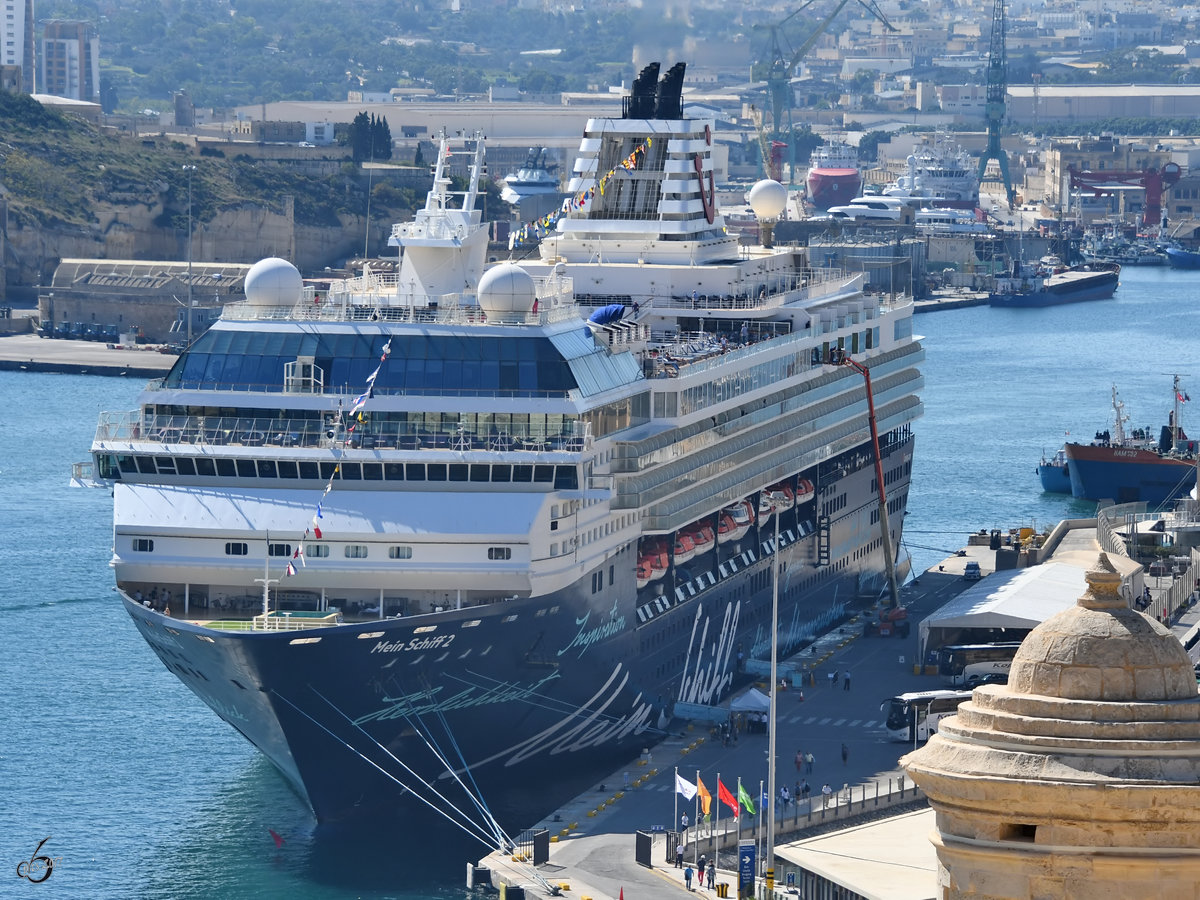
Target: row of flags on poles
{"type": "Point", "coordinates": [351, 419]}
{"type": "Point", "coordinates": [539, 228]}
{"type": "Point", "coordinates": [724, 795]}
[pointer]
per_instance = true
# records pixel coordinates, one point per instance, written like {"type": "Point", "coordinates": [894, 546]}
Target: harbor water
{"type": "Point", "coordinates": [143, 793]}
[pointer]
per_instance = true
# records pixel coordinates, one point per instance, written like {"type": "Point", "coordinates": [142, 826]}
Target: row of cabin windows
{"type": "Point", "coordinates": [563, 478]}
{"type": "Point", "coordinates": [316, 551]}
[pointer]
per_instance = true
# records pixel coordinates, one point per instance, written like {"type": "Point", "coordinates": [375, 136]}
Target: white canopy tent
{"type": "Point", "coordinates": [1016, 599]}
{"type": "Point", "coordinates": [753, 700]}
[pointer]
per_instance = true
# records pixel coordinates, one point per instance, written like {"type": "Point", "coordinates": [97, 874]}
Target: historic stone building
{"type": "Point", "coordinates": [1080, 778]}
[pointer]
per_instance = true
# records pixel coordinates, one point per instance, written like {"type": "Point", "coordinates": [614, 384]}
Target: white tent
{"type": "Point", "coordinates": [753, 700]}
{"type": "Point", "coordinates": [1019, 599]}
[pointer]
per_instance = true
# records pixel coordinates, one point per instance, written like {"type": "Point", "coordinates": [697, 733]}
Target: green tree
{"type": "Point", "coordinates": [360, 137]}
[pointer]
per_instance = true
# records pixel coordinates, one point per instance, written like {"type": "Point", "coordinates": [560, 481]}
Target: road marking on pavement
{"type": "Point", "coordinates": [826, 720]}
{"type": "Point", "coordinates": [839, 722]}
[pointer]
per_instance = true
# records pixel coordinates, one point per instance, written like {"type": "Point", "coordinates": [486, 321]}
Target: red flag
{"type": "Point", "coordinates": [276, 838]}
{"type": "Point", "coordinates": [317, 532]}
{"type": "Point", "coordinates": [726, 797]}
{"type": "Point", "coordinates": [705, 797]}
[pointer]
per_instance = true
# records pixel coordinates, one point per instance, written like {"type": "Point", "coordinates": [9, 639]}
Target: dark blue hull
{"type": "Point", "coordinates": [1055, 477]}
{"type": "Point", "coordinates": [529, 701]}
{"type": "Point", "coordinates": [1127, 475]}
{"type": "Point", "coordinates": [1101, 286]}
{"type": "Point", "coordinates": [1183, 259]}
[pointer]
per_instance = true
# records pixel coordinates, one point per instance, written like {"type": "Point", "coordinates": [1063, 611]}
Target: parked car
{"type": "Point", "coordinates": [972, 572]}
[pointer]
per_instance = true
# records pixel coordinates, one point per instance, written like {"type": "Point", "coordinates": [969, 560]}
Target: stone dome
{"type": "Point", "coordinates": [1100, 649]}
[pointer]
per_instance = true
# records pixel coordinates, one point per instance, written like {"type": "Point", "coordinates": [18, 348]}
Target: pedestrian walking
{"type": "Point", "coordinates": [712, 877]}
{"type": "Point", "coordinates": [826, 793]}
{"type": "Point", "coordinates": [700, 867]}
{"type": "Point", "coordinates": [845, 681]}
{"type": "Point", "coordinates": [845, 754]}
{"type": "Point", "coordinates": [799, 760]}
{"type": "Point", "coordinates": [687, 877]}
{"type": "Point", "coordinates": [808, 761]}
{"type": "Point", "coordinates": [683, 823]}
{"type": "Point", "coordinates": [679, 856]}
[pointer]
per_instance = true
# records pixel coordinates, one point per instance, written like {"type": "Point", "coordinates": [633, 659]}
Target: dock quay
{"type": "Point", "coordinates": [951, 299]}
{"type": "Point", "coordinates": [618, 840]}
{"type": "Point", "coordinates": [28, 352]}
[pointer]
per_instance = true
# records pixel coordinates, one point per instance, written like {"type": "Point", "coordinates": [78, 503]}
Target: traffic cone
{"type": "Point", "coordinates": [802, 696]}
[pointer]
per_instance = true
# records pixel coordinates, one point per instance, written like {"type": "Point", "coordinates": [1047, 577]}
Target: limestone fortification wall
{"type": "Point", "coordinates": [245, 234]}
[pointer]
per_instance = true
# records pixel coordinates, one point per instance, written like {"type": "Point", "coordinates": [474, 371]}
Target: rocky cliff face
{"type": "Point", "coordinates": [135, 231]}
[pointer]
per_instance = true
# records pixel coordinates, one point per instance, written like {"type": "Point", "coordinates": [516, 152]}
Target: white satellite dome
{"type": "Point", "coordinates": [506, 293]}
{"type": "Point", "coordinates": [273, 282]}
{"type": "Point", "coordinates": [767, 199]}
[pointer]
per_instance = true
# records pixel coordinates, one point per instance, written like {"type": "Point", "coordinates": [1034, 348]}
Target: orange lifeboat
{"type": "Point", "coordinates": [702, 538]}
{"type": "Point", "coordinates": [685, 548]}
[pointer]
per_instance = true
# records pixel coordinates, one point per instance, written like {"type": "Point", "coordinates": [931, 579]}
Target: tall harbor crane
{"type": "Point", "coordinates": [997, 90]}
{"type": "Point", "coordinates": [782, 64]}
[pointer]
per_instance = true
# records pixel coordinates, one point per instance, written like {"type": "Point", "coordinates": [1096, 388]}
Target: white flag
{"type": "Point", "coordinates": [685, 787]}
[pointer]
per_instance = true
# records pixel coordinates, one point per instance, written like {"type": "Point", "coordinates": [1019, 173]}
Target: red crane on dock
{"type": "Point", "coordinates": [1153, 181]}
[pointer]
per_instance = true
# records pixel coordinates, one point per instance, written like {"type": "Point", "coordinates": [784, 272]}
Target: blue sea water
{"type": "Point", "coordinates": [144, 793]}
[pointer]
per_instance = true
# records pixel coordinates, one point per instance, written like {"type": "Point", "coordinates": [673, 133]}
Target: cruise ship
{"type": "Point", "coordinates": [459, 539]}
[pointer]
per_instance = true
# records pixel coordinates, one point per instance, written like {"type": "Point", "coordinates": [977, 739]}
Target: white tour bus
{"type": "Point", "coordinates": [925, 708]}
{"type": "Point", "coordinates": [970, 665]}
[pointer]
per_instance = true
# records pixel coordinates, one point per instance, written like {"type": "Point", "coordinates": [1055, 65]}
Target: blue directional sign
{"type": "Point", "coordinates": [746, 868]}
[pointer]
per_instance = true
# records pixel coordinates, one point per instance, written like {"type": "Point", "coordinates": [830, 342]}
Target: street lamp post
{"type": "Point", "coordinates": [190, 170]}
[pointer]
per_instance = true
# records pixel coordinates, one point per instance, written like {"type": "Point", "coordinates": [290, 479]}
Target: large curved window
{"type": "Point", "coordinates": [418, 363]}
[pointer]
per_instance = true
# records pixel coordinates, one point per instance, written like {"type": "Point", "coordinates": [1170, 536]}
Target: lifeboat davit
{"type": "Point", "coordinates": [685, 548]}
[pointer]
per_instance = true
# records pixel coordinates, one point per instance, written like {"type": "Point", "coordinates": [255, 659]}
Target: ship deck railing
{"type": "Point", "coordinates": [771, 293]}
{"type": "Point", "coordinates": [208, 431]}
{"type": "Point", "coordinates": [381, 298]}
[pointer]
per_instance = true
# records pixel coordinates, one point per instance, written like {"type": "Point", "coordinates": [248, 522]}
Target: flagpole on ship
{"type": "Point", "coordinates": [770, 854]}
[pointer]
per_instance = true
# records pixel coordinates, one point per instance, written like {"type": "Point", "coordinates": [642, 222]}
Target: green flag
{"type": "Point", "coordinates": [745, 799]}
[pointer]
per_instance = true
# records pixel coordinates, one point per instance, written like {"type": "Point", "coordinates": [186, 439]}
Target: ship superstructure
{"type": "Point", "coordinates": [470, 531]}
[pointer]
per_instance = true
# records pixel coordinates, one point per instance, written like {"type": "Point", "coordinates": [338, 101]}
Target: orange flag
{"type": "Point", "coordinates": [705, 796]}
